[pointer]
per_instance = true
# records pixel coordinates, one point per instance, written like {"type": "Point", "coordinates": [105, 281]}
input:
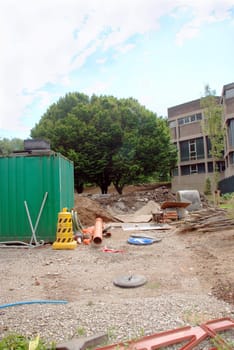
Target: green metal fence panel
{"type": "Point", "coordinates": [25, 181]}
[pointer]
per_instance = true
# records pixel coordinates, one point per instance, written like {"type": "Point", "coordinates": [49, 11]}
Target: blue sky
{"type": "Point", "coordinates": [160, 52]}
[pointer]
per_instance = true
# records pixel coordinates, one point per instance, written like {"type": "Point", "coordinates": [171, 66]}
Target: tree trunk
{"type": "Point", "coordinates": [80, 188]}
{"type": "Point", "coordinates": [79, 185]}
{"type": "Point", "coordinates": [104, 182]}
{"type": "Point", "coordinates": [104, 188]}
{"type": "Point", "coordinates": [119, 188]}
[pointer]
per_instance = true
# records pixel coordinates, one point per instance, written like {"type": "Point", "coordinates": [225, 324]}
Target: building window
{"type": "Point", "coordinates": [229, 93]}
{"type": "Point", "coordinates": [220, 166]}
{"type": "Point", "coordinates": [208, 146]}
{"type": "Point", "coordinates": [231, 133]}
{"type": "Point", "coordinates": [190, 119]}
{"type": "Point", "coordinates": [197, 168]}
{"type": "Point", "coordinates": [193, 169]}
{"type": "Point", "coordinates": [200, 148]}
{"type": "Point", "coordinates": [192, 149]}
{"type": "Point", "coordinates": [201, 168]}
{"type": "Point", "coordinates": [185, 170]}
{"type": "Point", "coordinates": [175, 172]}
{"type": "Point", "coordinates": [184, 150]}
{"type": "Point", "coordinates": [172, 124]}
{"type": "Point", "coordinates": [210, 167]}
{"type": "Point", "coordinates": [231, 158]}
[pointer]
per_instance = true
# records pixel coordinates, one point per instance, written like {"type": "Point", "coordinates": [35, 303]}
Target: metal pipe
{"type": "Point", "coordinates": [31, 225]}
{"type": "Point", "coordinates": [19, 244]}
{"type": "Point", "coordinates": [39, 215]}
{"type": "Point", "coordinates": [97, 233]}
{"type": "Point", "coordinates": [33, 229]}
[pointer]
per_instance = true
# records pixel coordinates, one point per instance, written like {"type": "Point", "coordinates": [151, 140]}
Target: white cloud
{"type": "Point", "coordinates": [125, 48]}
{"type": "Point", "coordinates": [202, 13]}
{"type": "Point", "coordinates": [43, 42]}
{"type": "Point", "coordinates": [101, 60]}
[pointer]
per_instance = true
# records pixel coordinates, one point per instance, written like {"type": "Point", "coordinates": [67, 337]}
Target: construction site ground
{"type": "Point", "coordinates": [182, 262]}
{"type": "Point", "coordinates": [181, 258]}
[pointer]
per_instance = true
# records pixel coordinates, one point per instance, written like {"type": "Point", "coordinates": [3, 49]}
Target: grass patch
{"type": "Point", "coordinates": [81, 332]}
{"type": "Point", "coordinates": [227, 206]}
{"type": "Point", "coordinates": [19, 342]}
{"type": "Point", "coordinates": [194, 318]}
{"type": "Point", "coordinates": [153, 285]}
{"type": "Point", "coordinates": [220, 343]}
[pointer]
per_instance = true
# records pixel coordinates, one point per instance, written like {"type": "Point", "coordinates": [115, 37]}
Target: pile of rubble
{"type": "Point", "coordinates": [89, 206]}
{"type": "Point", "coordinates": [109, 206]}
{"type": "Point", "coordinates": [133, 201]}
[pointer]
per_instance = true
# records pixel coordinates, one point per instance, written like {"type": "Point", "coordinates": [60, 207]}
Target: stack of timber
{"type": "Point", "coordinates": [207, 220]}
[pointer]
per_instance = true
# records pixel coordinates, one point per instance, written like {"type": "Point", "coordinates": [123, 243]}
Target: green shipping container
{"type": "Point", "coordinates": [27, 181]}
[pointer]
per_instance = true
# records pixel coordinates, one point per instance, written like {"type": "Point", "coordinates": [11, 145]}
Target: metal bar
{"type": "Point", "coordinates": [33, 229]}
{"type": "Point", "coordinates": [193, 336]}
{"type": "Point", "coordinates": [31, 225]}
{"type": "Point", "coordinates": [40, 212]}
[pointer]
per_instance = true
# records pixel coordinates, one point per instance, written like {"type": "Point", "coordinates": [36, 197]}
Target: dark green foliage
{"type": "Point", "coordinates": [109, 140]}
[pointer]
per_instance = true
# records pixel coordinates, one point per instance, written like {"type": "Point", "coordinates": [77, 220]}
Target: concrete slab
{"type": "Point", "coordinates": [83, 343]}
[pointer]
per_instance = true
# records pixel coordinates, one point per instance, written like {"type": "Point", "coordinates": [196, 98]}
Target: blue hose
{"type": "Point", "coordinates": [33, 302]}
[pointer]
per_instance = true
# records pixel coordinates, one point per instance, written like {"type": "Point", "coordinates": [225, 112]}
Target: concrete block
{"type": "Point", "coordinates": [83, 343]}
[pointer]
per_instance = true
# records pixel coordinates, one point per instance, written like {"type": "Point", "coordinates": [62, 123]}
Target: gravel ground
{"type": "Point", "coordinates": [122, 320]}
{"type": "Point", "coordinates": [186, 285]}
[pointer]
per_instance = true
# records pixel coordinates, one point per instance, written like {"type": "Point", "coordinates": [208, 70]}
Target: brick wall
{"type": "Point", "coordinates": [193, 129]}
{"type": "Point", "coordinates": [184, 109]}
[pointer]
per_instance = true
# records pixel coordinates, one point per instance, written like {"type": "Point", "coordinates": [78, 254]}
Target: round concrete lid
{"type": "Point", "coordinates": [130, 281]}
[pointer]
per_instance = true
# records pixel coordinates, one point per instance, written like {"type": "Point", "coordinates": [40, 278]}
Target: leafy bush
{"type": "Point", "coordinates": [227, 196]}
{"type": "Point", "coordinates": [20, 342]}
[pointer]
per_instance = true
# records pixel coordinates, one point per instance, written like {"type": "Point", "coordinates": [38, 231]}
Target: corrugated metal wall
{"type": "Point", "coordinates": [227, 185]}
{"type": "Point", "coordinates": [28, 179]}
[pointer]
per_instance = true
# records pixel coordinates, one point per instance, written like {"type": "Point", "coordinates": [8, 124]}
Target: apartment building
{"type": "Point", "coordinates": [195, 163]}
{"type": "Point", "coordinates": [227, 100]}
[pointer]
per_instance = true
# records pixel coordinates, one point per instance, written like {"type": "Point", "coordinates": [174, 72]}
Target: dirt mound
{"type": "Point", "coordinates": [88, 210]}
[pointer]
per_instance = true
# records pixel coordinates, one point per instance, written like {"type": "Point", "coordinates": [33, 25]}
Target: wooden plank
{"type": "Point", "coordinates": [165, 205]}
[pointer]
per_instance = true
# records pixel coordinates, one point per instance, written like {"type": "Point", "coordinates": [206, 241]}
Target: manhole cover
{"type": "Point", "coordinates": [130, 281]}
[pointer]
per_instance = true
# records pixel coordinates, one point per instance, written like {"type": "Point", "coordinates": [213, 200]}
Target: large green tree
{"type": "Point", "coordinates": [213, 126]}
{"type": "Point", "coordinates": [109, 140]}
